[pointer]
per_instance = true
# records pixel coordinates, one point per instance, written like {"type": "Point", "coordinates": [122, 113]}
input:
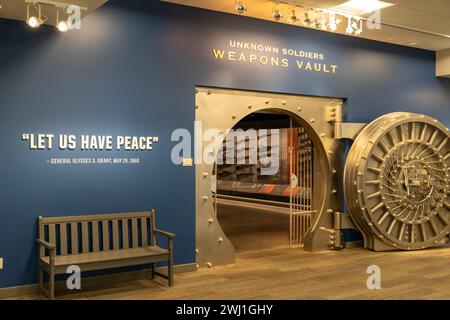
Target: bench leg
{"type": "Point", "coordinates": [170, 263]}
{"type": "Point", "coordinates": [170, 274]}
{"type": "Point", "coordinates": [41, 278]}
{"type": "Point", "coordinates": [51, 281]}
{"type": "Point", "coordinates": [152, 271]}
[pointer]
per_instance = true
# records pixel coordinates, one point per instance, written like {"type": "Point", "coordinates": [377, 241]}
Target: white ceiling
{"type": "Point", "coordinates": [428, 20]}
{"type": "Point", "coordinates": [17, 9]}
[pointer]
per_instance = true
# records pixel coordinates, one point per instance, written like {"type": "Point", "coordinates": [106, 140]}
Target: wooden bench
{"type": "Point", "coordinates": [96, 242]}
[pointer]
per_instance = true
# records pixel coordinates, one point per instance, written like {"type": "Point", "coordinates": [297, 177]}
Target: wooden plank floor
{"type": "Point", "coordinates": [296, 274]}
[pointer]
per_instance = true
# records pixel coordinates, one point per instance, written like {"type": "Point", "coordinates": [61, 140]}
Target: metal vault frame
{"type": "Point", "coordinates": [222, 109]}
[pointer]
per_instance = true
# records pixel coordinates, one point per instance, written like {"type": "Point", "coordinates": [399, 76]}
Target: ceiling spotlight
{"type": "Point", "coordinates": [319, 23]}
{"type": "Point", "coordinates": [293, 19]}
{"type": "Point", "coordinates": [316, 23]}
{"type": "Point", "coordinates": [33, 21]}
{"type": "Point", "coordinates": [307, 20]}
{"type": "Point", "coordinates": [354, 25]}
{"type": "Point", "coordinates": [334, 21]}
{"type": "Point", "coordinates": [276, 14]}
{"type": "Point", "coordinates": [349, 28]}
{"type": "Point", "coordinates": [322, 21]}
{"type": "Point", "coordinates": [313, 18]}
{"type": "Point", "coordinates": [333, 26]}
{"type": "Point", "coordinates": [62, 26]}
{"type": "Point", "coordinates": [241, 7]}
{"type": "Point", "coordinates": [359, 29]}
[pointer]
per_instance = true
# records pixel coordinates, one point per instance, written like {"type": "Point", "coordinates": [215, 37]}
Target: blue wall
{"type": "Point", "coordinates": [132, 70]}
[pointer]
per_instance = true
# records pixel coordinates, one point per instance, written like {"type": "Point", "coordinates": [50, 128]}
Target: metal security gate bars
{"type": "Point", "coordinates": [301, 166]}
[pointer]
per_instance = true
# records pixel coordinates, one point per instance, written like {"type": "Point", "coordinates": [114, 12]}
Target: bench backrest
{"type": "Point", "coordinates": [92, 233]}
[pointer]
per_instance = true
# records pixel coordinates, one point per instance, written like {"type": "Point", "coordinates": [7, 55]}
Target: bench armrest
{"type": "Point", "coordinates": [46, 244]}
{"type": "Point", "coordinates": [165, 233]}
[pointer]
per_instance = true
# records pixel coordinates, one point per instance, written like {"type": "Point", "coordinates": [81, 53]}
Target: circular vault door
{"type": "Point", "coordinates": [397, 182]}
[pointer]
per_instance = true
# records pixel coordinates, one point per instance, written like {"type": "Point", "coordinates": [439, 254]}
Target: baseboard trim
{"type": "Point", "coordinates": [32, 289]}
{"type": "Point", "coordinates": [24, 290]}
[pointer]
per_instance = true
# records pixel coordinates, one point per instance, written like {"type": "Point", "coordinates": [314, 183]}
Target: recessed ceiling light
{"type": "Point", "coordinates": [361, 7]}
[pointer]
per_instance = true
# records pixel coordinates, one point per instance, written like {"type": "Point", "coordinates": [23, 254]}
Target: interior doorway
{"type": "Point", "coordinates": [237, 208]}
{"type": "Point", "coordinates": [257, 210]}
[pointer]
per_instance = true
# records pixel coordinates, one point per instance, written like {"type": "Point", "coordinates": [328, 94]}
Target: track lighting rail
{"type": "Point", "coordinates": [57, 4]}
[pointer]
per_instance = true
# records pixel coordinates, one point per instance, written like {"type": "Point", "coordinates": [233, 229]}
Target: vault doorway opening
{"type": "Point", "coordinates": [298, 210]}
{"type": "Point", "coordinates": [258, 208]}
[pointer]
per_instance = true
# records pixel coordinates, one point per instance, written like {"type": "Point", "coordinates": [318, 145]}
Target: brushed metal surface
{"type": "Point", "coordinates": [396, 182]}
{"type": "Point", "coordinates": [223, 109]}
